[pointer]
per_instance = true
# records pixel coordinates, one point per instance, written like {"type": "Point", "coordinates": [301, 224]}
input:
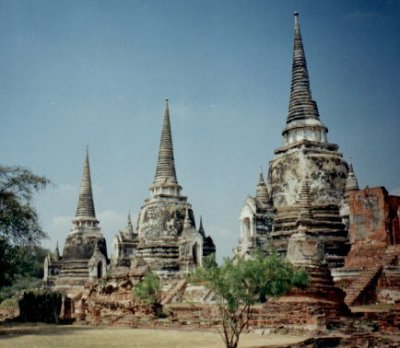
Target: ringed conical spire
{"type": "Point", "coordinates": [85, 207]}
{"type": "Point", "coordinates": [262, 191]}
{"type": "Point", "coordinates": [301, 105]}
{"type": "Point", "coordinates": [129, 226]}
{"type": "Point", "coordinates": [351, 181]}
{"type": "Point", "coordinates": [165, 172]}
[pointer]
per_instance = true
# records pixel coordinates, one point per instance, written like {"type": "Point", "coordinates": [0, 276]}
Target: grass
{"type": "Point", "coordinates": [72, 336]}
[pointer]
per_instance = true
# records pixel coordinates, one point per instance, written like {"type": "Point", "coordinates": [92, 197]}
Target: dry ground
{"type": "Point", "coordinates": [72, 336]}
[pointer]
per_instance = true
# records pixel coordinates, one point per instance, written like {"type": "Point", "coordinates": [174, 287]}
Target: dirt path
{"type": "Point", "coordinates": [73, 336]}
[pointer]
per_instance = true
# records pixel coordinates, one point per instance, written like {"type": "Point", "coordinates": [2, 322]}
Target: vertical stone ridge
{"type": "Point", "coordinates": [85, 207]}
{"type": "Point", "coordinates": [165, 172]}
{"type": "Point", "coordinates": [301, 105]}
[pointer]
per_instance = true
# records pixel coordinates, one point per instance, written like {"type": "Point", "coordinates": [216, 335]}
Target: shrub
{"type": "Point", "coordinates": [40, 307]}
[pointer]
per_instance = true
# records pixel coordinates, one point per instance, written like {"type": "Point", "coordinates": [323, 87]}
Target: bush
{"type": "Point", "coordinates": [10, 303]}
{"type": "Point", "coordinates": [148, 289]}
{"type": "Point", "coordinates": [40, 307]}
{"type": "Point", "coordinates": [19, 286]}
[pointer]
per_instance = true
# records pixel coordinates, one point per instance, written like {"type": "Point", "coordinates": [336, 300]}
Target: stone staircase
{"type": "Point", "coordinates": [361, 283]}
{"type": "Point", "coordinates": [369, 275]}
{"type": "Point", "coordinates": [175, 290]}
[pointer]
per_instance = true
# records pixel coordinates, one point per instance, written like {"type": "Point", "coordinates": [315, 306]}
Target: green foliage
{"type": "Point", "coordinates": [19, 286]}
{"type": "Point", "coordinates": [40, 307]}
{"type": "Point", "coordinates": [148, 289]}
{"type": "Point", "coordinates": [18, 262]}
{"type": "Point", "coordinates": [9, 303]}
{"type": "Point", "coordinates": [239, 284]}
{"type": "Point", "coordinates": [18, 218]}
{"type": "Point", "coordinates": [209, 261]}
{"type": "Point", "coordinates": [19, 227]}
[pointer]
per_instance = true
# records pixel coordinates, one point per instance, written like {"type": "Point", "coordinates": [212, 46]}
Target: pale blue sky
{"type": "Point", "coordinates": [76, 73]}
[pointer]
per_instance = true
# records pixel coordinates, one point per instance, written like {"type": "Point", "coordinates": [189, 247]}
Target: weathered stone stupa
{"type": "Point", "coordinates": [85, 252]}
{"type": "Point", "coordinates": [306, 152]}
{"type": "Point", "coordinates": [168, 239]}
{"type": "Point", "coordinates": [124, 247]}
{"type": "Point", "coordinates": [256, 218]}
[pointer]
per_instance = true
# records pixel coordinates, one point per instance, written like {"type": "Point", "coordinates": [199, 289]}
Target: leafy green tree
{"type": "Point", "coordinates": [20, 231]}
{"type": "Point", "coordinates": [148, 289]}
{"type": "Point", "coordinates": [239, 284]}
{"type": "Point", "coordinates": [18, 218]}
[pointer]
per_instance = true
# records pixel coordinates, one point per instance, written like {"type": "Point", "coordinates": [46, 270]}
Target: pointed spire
{"type": "Point", "coordinates": [129, 226]}
{"type": "Point", "coordinates": [351, 170]}
{"type": "Point", "coordinates": [165, 172]}
{"type": "Point", "coordinates": [187, 224]}
{"type": "Point", "coordinates": [301, 105]}
{"type": "Point", "coordinates": [85, 207]}
{"type": "Point", "coordinates": [351, 181]}
{"type": "Point", "coordinates": [262, 191]}
{"type": "Point", "coordinates": [57, 251]}
{"type": "Point", "coordinates": [201, 228]}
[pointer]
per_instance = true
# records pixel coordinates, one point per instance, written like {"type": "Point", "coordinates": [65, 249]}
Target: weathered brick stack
{"type": "Point", "coordinates": [191, 315]}
{"type": "Point", "coordinates": [371, 271]}
{"type": "Point", "coordinates": [111, 302]}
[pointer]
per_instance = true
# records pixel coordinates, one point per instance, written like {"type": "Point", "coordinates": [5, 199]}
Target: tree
{"type": "Point", "coordinates": [18, 218]}
{"type": "Point", "coordinates": [148, 289]}
{"type": "Point", "coordinates": [20, 231]}
{"type": "Point", "coordinates": [239, 284]}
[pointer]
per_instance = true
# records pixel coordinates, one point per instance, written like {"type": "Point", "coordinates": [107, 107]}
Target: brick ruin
{"type": "Point", "coordinates": [371, 271]}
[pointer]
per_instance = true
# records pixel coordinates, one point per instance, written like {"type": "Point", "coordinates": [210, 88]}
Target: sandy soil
{"type": "Point", "coordinates": [73, 336]}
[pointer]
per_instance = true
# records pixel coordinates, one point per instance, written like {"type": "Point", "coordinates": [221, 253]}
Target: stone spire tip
{"type": "Point", "coordinates": [201, 228]}
{"type": "Point", "coordinates": [301, 105]}
{"type": "Point", "coordinates": [85, 208]}
{"type": "Point", "coordinates": [165, 172]}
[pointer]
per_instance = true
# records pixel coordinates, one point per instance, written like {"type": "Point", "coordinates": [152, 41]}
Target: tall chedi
{"type": "Point", "coordinates": [84, 256]}
{"type": "Point", "coordinates": [306, 153]}
{"type": "Point", "coordinates": [168, 240]}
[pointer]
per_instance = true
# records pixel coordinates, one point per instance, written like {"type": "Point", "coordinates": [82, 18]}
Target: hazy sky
{"type": "Point", "coordinates": [76, 73]}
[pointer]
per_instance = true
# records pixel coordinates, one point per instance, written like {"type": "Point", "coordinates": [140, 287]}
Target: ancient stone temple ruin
{"type": "Point", "coordinates": [165, 239]}
{"type": "Point", "coordinates": [84, 257]}
{"type": "Point", "coordinates": [359, 230]}
{"type": "Point", "coordinates": [168, 239]}
{"type": "Point", "coordinates": [306, 153]}
{"type": "Point", "coordinates": [124, 246]}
